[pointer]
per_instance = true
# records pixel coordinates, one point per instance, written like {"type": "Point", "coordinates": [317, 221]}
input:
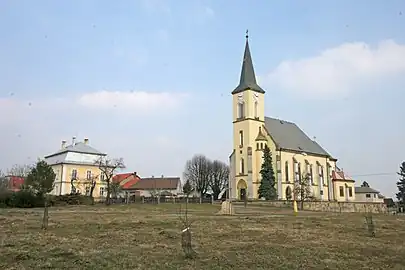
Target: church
{"type": "Point", "coordinates": [293, 152]}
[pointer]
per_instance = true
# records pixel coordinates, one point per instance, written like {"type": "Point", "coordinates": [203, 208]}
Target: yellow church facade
{"type": "Point", "coordinates": [293, 152]}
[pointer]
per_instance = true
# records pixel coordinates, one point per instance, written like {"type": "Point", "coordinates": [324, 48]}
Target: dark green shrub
{"type": "Point", "coordinates": [26, 199]}
{"type": "Point", "coordinates": [20, 199]}
{"type": "Point", "coordinates": [69, 199]}
{"type": "Point", "coordinates": [5, 198]}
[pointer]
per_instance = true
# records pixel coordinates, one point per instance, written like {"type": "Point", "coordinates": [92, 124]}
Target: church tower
{"type": "Point", "coordinates": [248, 120]}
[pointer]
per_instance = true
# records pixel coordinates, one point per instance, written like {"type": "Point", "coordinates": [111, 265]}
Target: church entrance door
{"type": "Point", "coordinates": [242, 194]}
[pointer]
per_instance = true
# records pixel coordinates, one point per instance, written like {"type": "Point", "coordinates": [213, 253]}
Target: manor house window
{"type": "Point", "coordinates": [74, 174]}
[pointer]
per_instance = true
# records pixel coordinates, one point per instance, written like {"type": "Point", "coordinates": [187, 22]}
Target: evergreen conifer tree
{"type": "Point", "coordinates": [267, 188]}
{"type": "Point", "coordinates": [187, 188]}
{"type": "Point", "coordinates": [401, 184]}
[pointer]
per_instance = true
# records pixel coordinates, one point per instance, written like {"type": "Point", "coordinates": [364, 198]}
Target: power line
{"type": "Point", "coordinates": [373, 174]}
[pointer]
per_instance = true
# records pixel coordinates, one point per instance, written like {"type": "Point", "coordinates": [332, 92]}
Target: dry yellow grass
{"type": "Point", "coordinates": [148, 237]}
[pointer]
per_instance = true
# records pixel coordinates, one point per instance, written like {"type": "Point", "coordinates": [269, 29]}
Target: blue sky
{"type": "Point", "coordinates": [150, 81]}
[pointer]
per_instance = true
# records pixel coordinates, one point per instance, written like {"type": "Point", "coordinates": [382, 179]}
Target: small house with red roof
{"type": "Point", "coordinates": [343, 186]}
{"type": "Point", "coordinates": [126, 180]}
{"type": "Point", "coordinates": [151, 186]}
{"type": "Point", "coordinates": [15, 182]}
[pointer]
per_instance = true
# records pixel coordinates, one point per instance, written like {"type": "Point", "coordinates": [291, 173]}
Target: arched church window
{"type": "Point", "coordinates": [299, 171]}
{"type": "Point", "coordinates": [286, 172]}
{"type": "Point", "coordinates": [241, 109]}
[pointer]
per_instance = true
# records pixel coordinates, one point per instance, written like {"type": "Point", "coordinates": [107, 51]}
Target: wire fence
{"type": "Point", "coordinates": [162, 199]}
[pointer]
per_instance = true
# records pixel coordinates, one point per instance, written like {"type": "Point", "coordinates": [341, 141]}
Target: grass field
{"type": "Point", "coordinates": [148, 237]}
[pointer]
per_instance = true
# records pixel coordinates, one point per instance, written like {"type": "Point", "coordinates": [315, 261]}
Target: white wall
{"type": "Point", "coordinates": [362, 197]}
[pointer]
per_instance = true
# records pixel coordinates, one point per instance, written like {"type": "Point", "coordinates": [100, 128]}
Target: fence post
{"type": "Point", "coordinates": [212, 199]}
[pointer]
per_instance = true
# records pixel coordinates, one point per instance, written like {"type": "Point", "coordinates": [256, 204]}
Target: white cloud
{"type": "Point", "coordinates": [340, 70]}
{"type": "Point", "coordinates": [33, 128]}
{"type": "Point", "coordinates": [160, 6]}
{"type": "Point", "coordinates": [138, 102]}
{"type": "Point", "coordinates": [209, 12]}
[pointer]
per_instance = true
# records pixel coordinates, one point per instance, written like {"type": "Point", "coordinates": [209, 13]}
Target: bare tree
{"type": "Point", "coordinates": [156, 193]}
{"type": "Point", "coordinates": [19, 170]}
{"type": "Point", "coordinates": [198, 173]}
{"type": "Point", "coordinates": [219, 177]}
{"type": "Point", "coordinates": [89, 184]}
{"type": "Point", "coordinates": [108, 167]}
{"type": "Point", "coordinates": [115, 189]}
{"type": "Point", "coordinates": [302, 189]}
{"type": "Point", "coordinates": [3, 181]}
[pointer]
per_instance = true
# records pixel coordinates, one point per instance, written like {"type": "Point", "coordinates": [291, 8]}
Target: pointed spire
{"type": "Point", "coordinates": [247, 75]}
{"type": "Point", "coordinates": [261, 136]}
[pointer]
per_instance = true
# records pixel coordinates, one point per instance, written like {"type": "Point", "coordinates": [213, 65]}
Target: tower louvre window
{"type": "Point", "coordinates": [241, 110]}
{"type": "Point", "coordinates": [242, 166]}
{"type": "Point", "coordinates": [256, 109]}
{"type": "Point", "coordinates": [241, 138]}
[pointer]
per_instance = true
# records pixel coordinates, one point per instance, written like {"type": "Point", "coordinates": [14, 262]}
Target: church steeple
{"type": "Point", "coordinates": [247, 75]}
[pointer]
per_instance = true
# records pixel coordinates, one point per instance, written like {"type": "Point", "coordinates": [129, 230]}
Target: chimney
{"type": "Point", "coordinates": [73, 140]}
{"type": "Point", "coordinates": [63, 146]}
{"type": "Point", "coordinates": [134, 174]}
{"type": "Point", "coordinates": [162, 175]}
{"type": "Point", "coordinates": [86, 141]}
{"type": "Point", "coordinates": [153, 176]}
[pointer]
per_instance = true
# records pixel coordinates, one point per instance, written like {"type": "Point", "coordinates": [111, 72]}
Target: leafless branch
{"type": "Point", "coordinates": [3, 181]}
{"type": "Point", "coordinates": [108, 168]}
{"type": "Point", "coordinates": [302, 189]}
{"type": "Point", "coordinates": [198, 173]}
{"type": "Point", "coordinates": [19, 170]}
{"type": "Point", "coordinates": [218, 178]}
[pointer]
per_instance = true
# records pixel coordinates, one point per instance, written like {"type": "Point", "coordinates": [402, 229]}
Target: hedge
{"type": "Point", "coordinates": [71, 200]}
{"type": "Point", "coordinates": [27, 199]}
